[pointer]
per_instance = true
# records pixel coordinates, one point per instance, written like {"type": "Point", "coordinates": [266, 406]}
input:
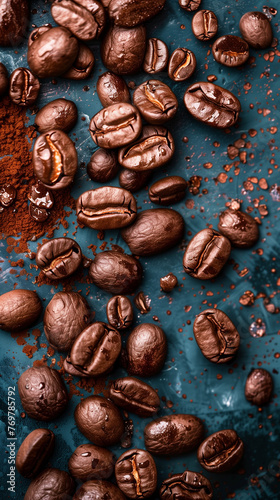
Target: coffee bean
{"type": "Point", "coordinates": [14, 16]}
{"type": "Point", "coordinates": [221, 451]}
{"type": "Point", "coordinates": [123, 49]}
{"type": "Point", "coordinates": [103, 165]}
{"type": "Point", "coordinates": [155, 101]}
{"type": "Point", "coordinates": [40, 196]}
{"type": "Point", "coordinates": [156, 56]}
{"type": "Point", "coordinates": [55, 159]}
{"type": "Point", "coordinates": [256, 29]}
{"type": "Point", "coordinates": [173, 434]}
{"type": "Point", "coordinates": [38, 214]}
{"type": "Point", "coordinates": [86, 20]}
{"type": "Point", "coordinates": [133, 180]}
{"type": "Point", "coordinates": [212, 104]}
{"type": "Point", "coordinates": [19, 309]}
{"type": "Point", "coordinates": [206, 254]}
{"type": "Point", "coordinates": [116, 125]}
{"type": "Point", "coordinates": [168, 190]}
{"type": "Point", "coordinates": [57, 483]}
{"type": "Point", "coordinates": [91, 462]}
{"type": "Point", "coordinates": [216, 336]}
{"type": "Point", "coordinates": [8, 195]}
{"type": "Point", "coordinates": [112, 89]}
{"type": "Point", "coordinates": [154, 231]}
{"type": "Point", "coordinates": [59, 114]}
{"type": "Point", "coordinates": [119, 312]}
{"type": "Point", "coordinates": [190, 5]}
{"type": "Point", "coordinates": [168, 282]}
{"type": "Point", "coordinates": [82, 66]}
{"type": "Point", "coordinates": [182, 65]}
{"type": "Point", "coordinates": [135, 396]}
{"type": "Point", "coordinates": [98, 489]}
{"type": "Point", "coordinates": [188, 485]}
{"type": "Point", "coordinates": [34, 452]}
{"type": "Point", "coordinates": [4, 80]}
{"type": "Point", "coordinates": [59, 258]}
{"type": "Point", "coordinates": [129, 14]}
{"type": "Point", "coordinates": [24, 87]}
{"type": "Point", "coordinates": [136, 474]}
{"type": "Point", "coordinates": [116, 272]}
{"type": "Point", "coordinates": [230, 50]}
{"type": "Point", "coordinates": [69, 368]}
{"type": "Point", "coordinates": [240, 228]}
{"type": "Point", "coordinates": [204, 25]}
{"type": "Point", "coordinates": [259, 387]}
{"type": "Point", "coordinates": [142, 302]}
{"type": "Point", "coordinates": [106, 207]}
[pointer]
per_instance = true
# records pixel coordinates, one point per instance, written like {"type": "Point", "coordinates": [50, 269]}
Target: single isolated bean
{"type": "Point", "coordinates": [14, 17]}
{"type": "Point", "coordinates": [168, 282]}
{"type": "Point", "coordinates": [133, 180]}
{"type": "Point", "coordinates": [91, 462]}
{"type": "Point", "coordinates": [188, 485]}
{"type": "Point", "coordinates": [112, 89]}
{"type": "Point", "coordinates": [4, 80]}
{"type": "Point", "coordinates": [136, 474]}
{"type": "Point", "coordinates": [85, 19]}
{"type": "Point", "coordinates": [135, 396]}
{"type": "Point", "coordinates": [259, 387]}
{"type": "Point", "coordinates": [204, 25]}
{"type": "Point", "coordinates": [82, 66]}
{"type": "Point", "coordinates": [119, 312]}
{"type": "Point", "coordinates": [182, 65]}
{"type": "Point", "coordinates": [52, 484]}
{"type": "Point", "coordinates": [256, 29]}
{"type": "Point", "coordinates": [59, 114]}
{"type": "Point", "coordinates": [123, 49]}
{"type": "Point", "coordinates": [190, 5]}
{"type": "Point", "coordinates": [129, 13]}
{"type": "Point", "coordinates": [168, 190]}
{"type": "Point", "coordinates": [156, 56]}
{"type": "Point", "coordinates": [95, 490]}
{"type": "Point", "coordinates": [103, 165]}
{"type": "Point", "coordinates": [230, 50]}
{"type": "Point", "coordinates": [34, 452]}
{"type": "Point", "coordinates": [19, 309]}
{"type": "Point", "coordinates": [155, 101]}
{"type": "Point", "coordinates": [240, 228]}
{"type": "Point", "coordinates": [59, 258]}
{"type": "Point", "coordinates": [24, 87]}
{"type": "Point", "coordinates": [221, 451]}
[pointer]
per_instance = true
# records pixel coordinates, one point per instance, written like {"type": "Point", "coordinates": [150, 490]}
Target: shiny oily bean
{"type": "Point", "coordinates": [84, 18]}
{"type": "Point", "coordinates": [230, 50]}
{"type": "Point", "coordinates": [190, 5]}
{"type": "Point", "coordinates": [182, 65]}
{"type": "Point", "coordinates": [155, 101]}
{"type": "Point", "coordinates": [168, 190]}
{"type": "Point", "coordinates": [112, 89]}
{"type": "Point", "coordinates": [69, 368]}
{"type": "Point", "coordinates": [38, 214]}
{"type": "Point", "coordinates": [135, 396]}
{"type": "Point", "coordinates": [173, 434]}
{"type": "Point", "coordinates": [106, 207]}
{"type": "Point", "coordinates": [168, 282]}
{"type": "Point", "coordinates": [156, 56]}
{"type": "Point", "coordinates": [95, 490]}
{"type": "Point", "coordinates": [52, 484]}
{"type": "Point", "coordinates": [216, 336]}
{"type": "Point", "coordinates": [153, 149]}
{"type": "Point", "coordinates": [59, 114]}
{"type": "Point", "coordinates": [14, 17]}
{"type": "Point", "coordinates": [34, 452]}
{"type": "Point", "coordinates": [4, 80]}
{"type": "Point", "coordinates": [91, 462]}
{"type": "Point", "coordinates": [115, 126]}
{"type": "Point", "coordinates": [133, 180]}
{"type": "Point", "coordinates": [103, 165]}
{"type": "Point", "coordinates": [24, 87]}
{"type": "Point", "coordinates": [128, 13]}
{"type": "Point", "coordinates": [240, 228]}
{"type": "Point", "coordinates": [212, 104]}
{"type": "Point", "coordinates": [119, 312]}
{"type": "Point", "coordinates": [136, 474]}
{"type": "Point", "coordinates": [206, 254]}
{"type": "Point", "coordinates": [19, 309]}
{"type": "Point", "coordinates": [188, 485]}
{"type": "Point", "coordinates": [259, 387]}
{"type": "Point", "coordinates": [83, 64]}
{"type": "Point", "coordinates": [256, 29]}
{"type": "Point", "coordinates": [59, 258]}
{"type": "Point", "coordinates": [204, 25]}
{"type": "Point", "coordinates": [8, 194]}
{"type": "Point", "coordinates": [123, 49]}
{"type": "Point", "coordinates": [221, 451]}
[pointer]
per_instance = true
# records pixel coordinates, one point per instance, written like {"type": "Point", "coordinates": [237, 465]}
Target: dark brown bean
{"type": "Point", "coordinates": [142, 302]}
{"type": "Point", "coordinates": [38, 214]}
{"type": "Point", "coordinates": [168, 190]}
{"type": "Point", "coordinates": [91, 462]}
{"type": "Point", "coordinates": [133, 180]}
{"type": "Point", "coordinates": [119, 312]}
{"type": "Point", "coordinates": [182, 65]}
{"type": "Point", "coordinates": [19, 309]}
{"type": "Point", "coordinates": [240, 228]}
{"type": "Point", "coordinates": [59, 114]}
{"type": "Point", "coordinates": [155, 101]}
{"type": "Point", "coordinates": [128, 13]}
{"type": "Point", "coordinates": [85, 19]}
{"type": "Point", "coordinates": [8, 194]}
{"type": "Point", "coordinates": [256, 29]}
{"type": "Point", "coordinates": [103, 165]}
{"type": "Point", "coordinates": [204, 25]}
{"type": "Point", "coordinates": [4, 80]}
{"type": "Point", "coordinates": [259, 387]}
{"type": "Point", "coordinates": [112, 89]}
{"type": "Point", "coordinates": [59, 258]}
{"type": "Point", "coordinates": [168, 282]}
{"type": "Point", "coordinates": [55, 483]}
{"type": "Point", "coordinates": [123, 49]}
{"type": "Point", "coordinates": [96, 490]}
{"type": "Point", "coordinates": [230, 50]}
{"type": "Point", "coordinates": [24, 87]}
{"type": "Point", "coordinates": [136, 474]}
{"type": "Point", "coordinates": [135, 396]}
{"type": "Point", "coordinates": [156, 57]}
{"type": "Point", "coordinates": [188, 485]}
{"type": "Point", "coordinates": [40, 196]}
{"type": "Point", "coordinates": [190, 5]}
{"type": "Point", "coordinates": [14, 16]}
{"type": "Point", "coordinates": [221, 451]}
{"type": "Point", "coordinates": [83, 64]}
{"type": "Point", "coordinates": [34, 452]}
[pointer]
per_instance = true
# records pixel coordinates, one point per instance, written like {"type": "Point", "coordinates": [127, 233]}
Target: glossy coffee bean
{"type": "Point", "coordinates": [34, 452]}
{"type": "Point", "coordinates": [69, 368]}
{"type": "Point", "coordinates": [119, 312]}
{"type": "Point", "coordinates": [112, 89]}
{"type": "Point", "coordinates": [256, 29]}
{"type": "Point", "coordinates": [38, 214]}
{"type": "Point", "coordinates": [24, 87]}
{"type": "Point", "coordinates": [204, 25]}
{"type": "Point", "coordinates": [66, 316]}
{"type": "Point", "coordinates": [14, 16]}
{"type": "Point", "coordinates": [106, 207]}
{"type": "Point", "coordinates": [212, 104]}
{"type": "Point", "coordinates": [156, 56]}
{"type": "Point", "coordinates": [83, 65]}
{"type": "Point", "coordinates": [59, 258]}
{"type": "Point", "coordinates": [154, 231]}
{"type": "Point", "coordinates": [173, 434]}
{"type": "Point", "coordinates": [182, 65]}
{"type": "Point", "coordinates": [116, 125]}
{"type": "Point", "coordinates": [155, 101]}
{"type": "Point", "coordinates": [86, 20]}
{"type": "Point", "coordinates": [168, 282]}
{"type": "Point", "coordinates": [91, 462]}
{"type": "Point", "coordinates": [168, 190]}
{"type": "Point", "coordinates": [103, 165]}
{"type": "Point", "coordinates": [42, 393]}
{"type": "Point", "coordinates": [240, 228]}
{"type": "Point", "coordinates": [135, 396]}
{"type": "Point", "coordinates": [51, 51]}
{"type": "Point", "coordinates": [206, 254]}
{"type": "Point", "coordinates": [99, 420]}
{"type": "Point", "coordinates": [221, 451]}
{"type": "Point", "coordinates": [188, 485]}
{"type": "Point", "coordinates": [53, 484]}
{"type": "Point", "coordinates": [116, 272]}
{"type": "Point", "coordinates": [59, 114]}
{"type": "Point", "coordinates": [136, 474]}
{"type": "Point", "coordinates": [129, 14]}
{"type": "Point", "coordinates": [37, 32]}
{"type": "Point", "coordinates": [55, 159]}
{"type": "Point", "coordinates": [95, 490]}
{"type": "Point", "coordinates": [19, 309]}
{"type": "Point", "coordinates": [259, 387]}
{"type": "Point", "coordinates": [230, 50]}
{"type": "Point", "coordinates": [133, 180]}
{"type": "Point", "coordinates": [4, 80]}
{"type": "Point", "coordinates": [8, 195]}
{"type": "Point", "coordinates": [216, 336]}
{"type": "Point", "coordinates": [153, 149]}
{"type": "Point", "coordinates": [190, 5]}
{"type": "Point", "coordinates": [123, 49]}
{"type": "Point", "coordinates": [40, 196]}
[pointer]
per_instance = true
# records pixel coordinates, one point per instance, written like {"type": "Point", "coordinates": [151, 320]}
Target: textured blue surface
{"type": "Point", "coordinates": [193, 385]}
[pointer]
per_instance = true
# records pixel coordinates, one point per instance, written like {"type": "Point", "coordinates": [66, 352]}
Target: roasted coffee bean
{"type": "Point", "coordinates": [156, 56]}
{"type": "Point", "coordinates": [95, 490]}
{"type": "Point", "coordinates": [38, 214]}
{"type": "Point", "coordinates": [4, 80]}
{"type": "Point", "coordinates": [135, 396]}
{"type": "Point", "coordinates": [83, 64]}
{"type": "Point", "coordinates": [206, 254]}
{"type": "Point", "coordinates": [221, 451]}
{"type": "Point", "coordinates": [42, 393]}
{"type": "Point", "coordinates": [133, 180]}
{"type": "Point", "coordinates": [24, 87]}
{"type": "Point", "coordinates": [187, 486]}
{"type": "Point", "coordinates": [51, 51]}
{"type": "Point", "coordinates": [204, 25]}
{"type": "Point", "coordinates": [240, 228]}
{"type": "Point", "coordinates": [182, 65]}
{"type": "Point", "coordinates": [259, 387]}
{"type": "Point", "coordinates": [155, 101]}
{"type": "Point", "coordinates": [103, 165]}
{"type": "Point", "coordinates": [153, 149]}
{"type": "Point", "coordinates": [216, 336]}
{"type": "Point", "coordinates": [119, 312]}
{"type": "Point", "coordinates": [99, 420]}
{"type": "Point", "coordinates": [128, 13]}
{"type": "Point", "coordinates": [173, 434]}
{"type": "Point", "coordinates": [212, 104]}
{"type": "Point", "coordinates": [146, 350]}
{"type": "Point", "coordinates": [136, 474]}
{"type": "Point", "coordinates": [66, 316]}
{"type": "Point", "coordinates": [230, 50]}
{"type": "Point", "coordinates": [190, 5]}
{"type": "Point", "coordinates": [154, 231]}
{"type": "Point", "coordinates": [59, 258]}
{"type": "Point", "coordinates": [256, 29]}
{"type": "Point", "coordinates": [55, 159]}
{"type": "Point", "coordinates": [69, 368]}
{"type": "Point", "coordinates": [168, 190]}
{"type": "Point", "coordinates": [116, 125]}
{"type": "Point", "coordinates": [96, 349]}
{"type": "Point", "coordinates": [8, 195]}
{"type": "Point", "coordinates": [53, 484]}
{"type": "Point", "coordinates": [168, 282]}
{"type": "Point", "coordinates": [91, 462]}
{"type": "Point", "coordinates": [40, 196]}
{"type": "Point", "coordinates": [85, 19]}
{"type": "Point", "coordinates": [142, 302]}
{"type": "Point", "coordinates": [19, 309]}
{"type": "Point", "coordinates": [14, 16]}
{"type": "Point", "coordinates": [59, 114]}
{"type": "Point", "coordinates": [34, 452]}
{"type": "Point", "coordinates": [112, 89]}
{"type": "Point", "coordinates": [116, 272]}
{"type": "Point", "coordinates": [37, 32]}
{"type": "Point", "coordinates": [123, 49]}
